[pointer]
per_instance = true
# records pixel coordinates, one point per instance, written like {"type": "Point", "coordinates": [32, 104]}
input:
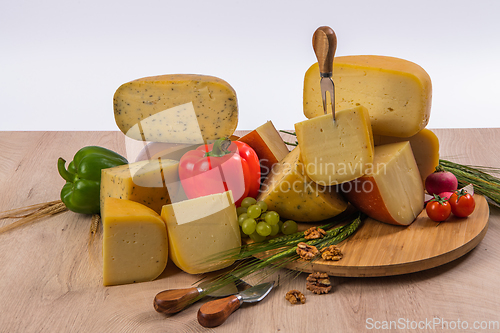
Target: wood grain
{"type": "Point", "coordinates": [325, 44]}
{"type": "Point", "coordinates": [380, 249]}
{"type": "Point", "coordinates": [51, 280]}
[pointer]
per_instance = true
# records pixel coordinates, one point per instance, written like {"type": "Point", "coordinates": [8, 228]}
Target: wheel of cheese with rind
{"type": "Point", "coordinates": [396, 92]}
{"type": "Point", "coordinates": [135, 242]}
{"type": "Point", "coordinates": [177, 108]}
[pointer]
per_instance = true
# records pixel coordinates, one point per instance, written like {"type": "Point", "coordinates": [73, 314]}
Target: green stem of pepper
{"type": "Point", "coordinates": [219, 148]}
{"type": "Point", "coordinates": [68, 176]}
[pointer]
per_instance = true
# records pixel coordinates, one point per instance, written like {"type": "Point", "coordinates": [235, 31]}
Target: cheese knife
{"type": "Point", "coordinates": [215, 313]}
{"type": "Point", "coordinates": [325, 45]}
{"type": "Point", "coordinates": [175, 300]}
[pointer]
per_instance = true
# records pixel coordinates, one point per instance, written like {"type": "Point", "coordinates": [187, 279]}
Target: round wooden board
{"type": "Point", "coordinates": [379, 249]}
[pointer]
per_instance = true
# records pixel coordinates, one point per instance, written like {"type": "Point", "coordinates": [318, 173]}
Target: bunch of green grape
{"type": "Point", "coordinates": [258, 223]}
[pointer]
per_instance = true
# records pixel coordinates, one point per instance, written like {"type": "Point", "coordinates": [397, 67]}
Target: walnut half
{"type": "Point", "coordinates": [306, 251]}
{"type": "Point", "coordinates": [331, 252]}
{"type": "Point", "coordinates": [314, 233]}
{"type": "Point", "coordinates": [294, 296]}
{"type": "Point", "coordinates": [318, 283]}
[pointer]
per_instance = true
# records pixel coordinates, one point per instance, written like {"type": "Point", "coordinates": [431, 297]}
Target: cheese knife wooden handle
{"type": "Point", "coordinates": [214, 313]}
{"type": "Point", "coordinates": [325, 45]}
{"type": "Point", "coordinates": [174, 300]}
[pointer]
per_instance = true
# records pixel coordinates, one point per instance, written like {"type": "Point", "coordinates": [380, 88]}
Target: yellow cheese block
{"type": "Point", "coordinates": [201, 228]}
{"type": "Point", "coordinates": [135, 245]}
{"type": "Point", "coordinates": [153, 183]}
{"type": "Point", "coordinates": [268, 144]}
{"type": "Point", "coordinates": [293, 195]}
{"type": "Point", "coordinates": [179, 108]}
{"type": "Point", "coordinates": [425, 147]}
{"type": "Point", "coordinates": [338, 152]}
{"type": "Point", "coordinates": [392, 191]}
{"type": "Point", "coordinates": [396, 92]}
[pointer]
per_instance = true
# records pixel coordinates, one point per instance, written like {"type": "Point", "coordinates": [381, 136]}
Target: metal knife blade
{"type": "Point", "coordinates": [214, 313]}
{"type": "Point", "coordinates": [256, 293]}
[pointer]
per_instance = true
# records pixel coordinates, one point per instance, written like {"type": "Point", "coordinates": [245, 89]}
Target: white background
{"type": "Point", "coordinates": [62, 60]}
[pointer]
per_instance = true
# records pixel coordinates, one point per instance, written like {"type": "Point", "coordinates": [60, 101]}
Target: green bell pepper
{"type": "Point", "coordinates": [81, 193]}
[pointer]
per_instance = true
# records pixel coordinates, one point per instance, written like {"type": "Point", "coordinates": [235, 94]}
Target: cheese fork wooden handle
{"type": "Point", "coordinates": [325, 45]}
{"type": "Point", "coordinates": [214, 313]}
{"type": "Point", "coordinates": [174, 300]}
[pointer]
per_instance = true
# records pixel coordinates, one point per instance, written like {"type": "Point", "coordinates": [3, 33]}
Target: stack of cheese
{"type": "Point", "coordinates": [146, 216]}
{"type": "Point", "coordinates": [397, 96]}
{"type": "Point", "coordinates": [386, 182]}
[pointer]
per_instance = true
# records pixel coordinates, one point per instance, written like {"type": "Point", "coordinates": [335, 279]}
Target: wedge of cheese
{"type": "Point", "coordinates": [268, 144]}
{"type": "Point", "coordinates": [169, 151]}
{"type": "Point", "coordinates": [135, 245]}
{"type": "Point", "coordinates": [336, 152]}
{"type": "Point", "coordinates": [201, 228]}
{"type": "Point", "coordinates": [425, 147]}
{"type": "Point", "coordinates": [396, 92]}
{"type": "Point", "coordinates": [392, 192]}
{"type": "Point", "coordinates": [293, 195]}
{"type": "Point", "coordinates": [178, 108]}
{"type": "Point", "coordinates": [153, 183]}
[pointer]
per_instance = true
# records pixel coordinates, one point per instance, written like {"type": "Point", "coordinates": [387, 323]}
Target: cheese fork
{"type": "Point", "coordinates": [175, 300]}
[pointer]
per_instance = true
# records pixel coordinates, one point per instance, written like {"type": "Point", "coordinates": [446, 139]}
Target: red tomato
{"type": "Point", "coordinates": [438, 209]}
{"type": "Point", "coordinates": [462, 203]}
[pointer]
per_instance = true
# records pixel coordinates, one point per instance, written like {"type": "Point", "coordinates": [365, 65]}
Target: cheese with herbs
{"type": "Point", "coordinates": [396, 92]}
{"type": "Point", "coordinates": [336, 152]}
{"type": "Point", "coordinates": [200, 229]}
{"type": "Point", "coordinates": [153, 183]}
{"type": "Point", "coordinates": [293, 195]}
{"type": "Point", "coordinates": [135, 245]}
{"type": "Point", "coordinates": [392, 191]}
{"type": "Point", "coordinates": [178, 108]}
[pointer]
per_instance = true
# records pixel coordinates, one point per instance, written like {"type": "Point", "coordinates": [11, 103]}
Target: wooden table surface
{"type": "Point", "coordinates": [51, 276]}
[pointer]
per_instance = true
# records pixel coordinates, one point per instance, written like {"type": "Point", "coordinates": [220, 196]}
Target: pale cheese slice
{"type": "Point", "coordinates": [200, 229]}
{"type": "Point", "coordinates": [392, 191]}
{"type": "Point", "coordinates": [293, 195]}
{"type": "Point", "coordinates": [176, 124]}
{"type": "Point", "coordinates": [425, 147]}
{"type": "Point", "coordinates": [336, 152]}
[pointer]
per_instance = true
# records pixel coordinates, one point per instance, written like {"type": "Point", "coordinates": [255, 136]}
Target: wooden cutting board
{"type": "Point", "coordinates": [379, 249]}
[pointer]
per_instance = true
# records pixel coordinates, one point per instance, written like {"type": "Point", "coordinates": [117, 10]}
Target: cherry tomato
{"type": "Point", "coordinates": [462, 203]}
{"type": "Point", "coordinates": [438, 209]}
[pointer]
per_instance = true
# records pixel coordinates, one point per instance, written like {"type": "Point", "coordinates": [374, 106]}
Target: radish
{"type": "Point", "coordinates": [445, 195]}
{"type": "Point", "coordinates": [441, 181]}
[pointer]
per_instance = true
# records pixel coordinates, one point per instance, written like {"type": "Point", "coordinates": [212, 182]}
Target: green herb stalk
{"type": "Point", "coordinates": [484, 183]}
{"type": "Point", "coordinates": [275, 261]}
